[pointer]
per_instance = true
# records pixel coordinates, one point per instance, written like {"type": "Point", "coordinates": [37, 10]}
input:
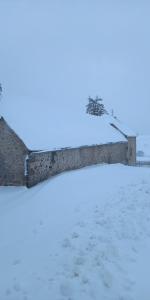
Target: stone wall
{"type": "Point", "coordinates": [15, 169]}
{"type": "Point", "coordinates": [12, 157]}
{"type": "Point", "coordinates": [42, 165]}
{"type": "Point", "coordinates": [131, 150]}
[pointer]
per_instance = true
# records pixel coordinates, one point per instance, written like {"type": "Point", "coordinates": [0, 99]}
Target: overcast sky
{"type": "Point", "coordinates": [61, 51]}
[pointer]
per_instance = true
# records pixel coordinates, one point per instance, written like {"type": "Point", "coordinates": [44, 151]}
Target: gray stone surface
{"type": "Point", "coordinates": [12, 156]}
{"type": "Point", "coordinates": [42, 165]}
{"type": "Point", "coordinates": [131, 150]}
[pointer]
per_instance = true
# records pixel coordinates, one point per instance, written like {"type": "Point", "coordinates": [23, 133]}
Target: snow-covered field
{"type": "Point", "coordinates": [82, 235]}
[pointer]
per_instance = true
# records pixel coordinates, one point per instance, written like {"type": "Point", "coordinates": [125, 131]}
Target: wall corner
{"type": "Point", "coordinates": [131, 155]}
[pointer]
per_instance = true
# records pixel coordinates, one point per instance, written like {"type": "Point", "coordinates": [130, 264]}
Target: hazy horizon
{"type": "Point", "coordinates": [60, 52]}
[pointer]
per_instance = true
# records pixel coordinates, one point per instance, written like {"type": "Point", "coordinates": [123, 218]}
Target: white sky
{"type": "Point", "coordinates": [61, 51]}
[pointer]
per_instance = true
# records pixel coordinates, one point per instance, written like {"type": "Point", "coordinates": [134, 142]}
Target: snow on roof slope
{"type": "Point", "coordinates": [121, 126]}
{"type": "Point", "coordinates": [45, 127]}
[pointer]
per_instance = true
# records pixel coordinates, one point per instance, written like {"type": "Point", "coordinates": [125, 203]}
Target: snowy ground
{"type": "Point", "coordinates": [82, 235]}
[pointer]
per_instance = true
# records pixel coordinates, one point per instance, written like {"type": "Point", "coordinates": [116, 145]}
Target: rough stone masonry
{"type": "Point", "coordinates": [12, 157]}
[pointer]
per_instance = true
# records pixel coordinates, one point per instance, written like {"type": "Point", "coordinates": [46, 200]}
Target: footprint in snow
{"type": "Point", "coordinates": [106, 278]}
{"type": "Point", "coordinates": [66, 290]}
{"type": "Point", "coordinates": [16, 262]}
{"type": "Point", "coordinates": [75, 274]}
{"type": "Point", "coordinates": [17, 287]}
{"type": "Point", "coordinates": [79, 261]}
{"type": "Point", "coordinates": [128, 285]}
{"type": "Point", "coordinates": [81, 224]}
{"type": "Point", "coordinates": [75, 235]}
{"type": "Point", "coordinates": [90, 246]}
{"type": "Point", "coordinates": [85, 280]}
{"type": "Point", "coordinates": [96, 211]}
{"type": "Point", "coordinates": [77, 210]}
{"type": "Point", "coordinates": [35, 231]}
{"type": "Point", "coordinates": [41, 223]}
{"type": "Point", "coordinates": [66, 243]}
{"type": "Point", "coordinates": [8, 292]}
{"type": "Point", "coordinates": [92, 237]}
{"type": "Point", "coordinates": [124, 298]}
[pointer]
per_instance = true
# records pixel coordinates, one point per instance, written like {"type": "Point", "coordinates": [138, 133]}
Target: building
{"type": "Point", "coordinates": [19, 166]}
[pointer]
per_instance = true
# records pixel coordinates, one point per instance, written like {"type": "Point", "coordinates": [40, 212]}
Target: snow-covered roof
{"type": "Point", "coordinates": [53, 129]}
{"type": "Point", "coordinates": [121, 126]}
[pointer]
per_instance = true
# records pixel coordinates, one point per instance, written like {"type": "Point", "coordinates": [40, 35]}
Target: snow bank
{"type": "Point", "coordinates": [83, 235]}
